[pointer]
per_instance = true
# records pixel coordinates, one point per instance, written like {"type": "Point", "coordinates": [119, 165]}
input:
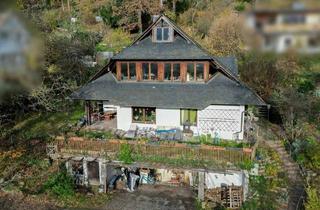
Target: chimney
{"type": "Point", "coordinates": [155, 17]}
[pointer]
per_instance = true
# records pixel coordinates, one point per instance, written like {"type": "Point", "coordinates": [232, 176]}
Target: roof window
{"type": "Point", "coordinates": [163, 32]}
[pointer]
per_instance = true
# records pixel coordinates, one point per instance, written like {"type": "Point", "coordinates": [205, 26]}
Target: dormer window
{"type": "Point", "coordinates": [163, 32]}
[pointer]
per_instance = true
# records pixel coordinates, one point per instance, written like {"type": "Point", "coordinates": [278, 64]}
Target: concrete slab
{"type": "Point", "coordinates": [153, 197]}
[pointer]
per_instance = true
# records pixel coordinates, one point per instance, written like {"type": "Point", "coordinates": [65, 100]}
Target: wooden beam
{"type": "Point", "coordinates": [206, 71]}
{"type": "Point", "coordinates": [183, 71]}
{"type": "Point", "coordinates": [160, 71]}
{"type": "Point", "coordinates": [118, 69]}
{"type": "Point", "coordinates": [139, 71]}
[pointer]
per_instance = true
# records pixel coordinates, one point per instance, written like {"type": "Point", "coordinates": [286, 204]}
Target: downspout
{"type": "Point", "coordinates": [242, 123]}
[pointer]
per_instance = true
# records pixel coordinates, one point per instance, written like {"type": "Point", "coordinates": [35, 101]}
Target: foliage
{"type": "Point", "coordinates": [246, 165]}
{"type": "Point", "coordinates": [95, 134]}
{"type": "Point", "coordinates": [209, 140]}
{"type": "Point", "coordinates": [108, 16]}
{"type": "Point", "coordinates": [114, 41]}
{"type": "Point", "coordinates": [264, 198]}
{"type": "Point", "coordinates": [125, 154]}
{"type": "Point", "coordinates": [313, 201]}
{"type": "Point", "coordinates": [227, 35]}
{"type": "Point", "coordinates": [60, 184]}
{"type": "Point", "coordinates": [50, 19]}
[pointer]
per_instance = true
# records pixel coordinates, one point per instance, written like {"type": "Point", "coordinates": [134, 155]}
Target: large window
{"type": "Point", "coordinates": [154, 71]}
{"type": "Point", "coordinates": [195, 71]}
{"type": "Point", "coordinates": [176, 72]}
{"type": "Point", "coordinates": [145, 71]}
{"type": "Point", "coordinates": [124, 71]}
{"type": "Point", "coordinates": [128, 71]}
{"type": "Point", "coordinates": [190, 71]}
{"type": "Point", "coordinates": [172, 72]}
{"type": "Point", "coordinates": [132, 71]}
{"type": "Point", "coordinates": [150, 71]}
{"type": "Point", "coordinates": [200, 71]}
{"type": "Point", "coordinates": [167, 71]}
{"type": "Point", "coordinates": [188, 116]}
{"type": "Point", "coordinates": [144, 115]}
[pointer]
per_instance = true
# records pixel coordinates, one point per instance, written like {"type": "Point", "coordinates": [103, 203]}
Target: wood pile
{"type": "Point", "coordinates": [230, 197]}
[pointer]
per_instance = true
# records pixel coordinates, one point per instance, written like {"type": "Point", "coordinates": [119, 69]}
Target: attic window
{"type": "Point", "coordinates": [163, 32]}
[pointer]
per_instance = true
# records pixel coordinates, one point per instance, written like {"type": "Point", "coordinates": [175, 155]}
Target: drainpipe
{"type": "Point", "coordinates": [242, 122]}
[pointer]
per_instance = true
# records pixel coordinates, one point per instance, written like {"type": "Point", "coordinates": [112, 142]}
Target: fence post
{"type": "Point", "coordinates": [85, 171]}
{"type": "Point", "coordinates": [201, 186]}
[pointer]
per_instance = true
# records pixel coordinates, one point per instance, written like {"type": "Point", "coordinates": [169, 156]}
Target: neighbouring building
{"type": "Point", "coordinates": [279, 30]}
{"type": "Point", "coordinates": [166, 82]}
{"type": "Point", "coordinates": [14, 40]}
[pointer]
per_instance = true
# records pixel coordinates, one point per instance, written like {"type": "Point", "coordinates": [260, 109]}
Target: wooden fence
{"type": "Point", "coordinates": [166, 150]}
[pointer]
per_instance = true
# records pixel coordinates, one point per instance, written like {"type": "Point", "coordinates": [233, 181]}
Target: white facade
{"type": "Point", "coordinates": [224, 122]}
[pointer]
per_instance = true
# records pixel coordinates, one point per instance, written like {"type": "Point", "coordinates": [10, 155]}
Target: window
{"type": "Point", "coordinates": [145, 71]}
{"type": "Point", "coordinates": [128, 71]}
{"type": "Point", "coordinates": [132, 71]}
{"type": "Point", "coordinates": [163, 34]}
{"type": "Point", "coordinates": [4, 35]}
{"type": "Point", "coordinates": [154, 71]}
{"type": "Point", "coordinates": [190, 71]}
{"type": "Point", "coordinates": [188, 116]}
{"type": "Point", "coordinates": [150, 71]}
{"type": "Point", "coordinates": [144, 115]}
{"type": "Point", "coordinates": [200, 71]}
{"type": "Point", "coordinates": [314, 41]}
{"type": "Point", "coordinates": [294, 19]}
{"type": "Point", "coordinates": [159, 34]}
{"type": "Point", "coordinates": [288, 42]}
{"type": "Point", "coordinates": [167, 71]}
{"type": "Point", "coordinates": [195, 71]}
{"type": "Point", "coordinates": [124, 71]}
{"type": "Point", "coordinates": [176, 72]}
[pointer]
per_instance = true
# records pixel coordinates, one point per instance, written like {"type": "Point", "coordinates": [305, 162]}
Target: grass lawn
{"type": "Point", "coordinates": [43, 125]}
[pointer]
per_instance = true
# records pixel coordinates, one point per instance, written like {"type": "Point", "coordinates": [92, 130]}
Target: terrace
{"type": "Point", "coordinates": [201, 152]}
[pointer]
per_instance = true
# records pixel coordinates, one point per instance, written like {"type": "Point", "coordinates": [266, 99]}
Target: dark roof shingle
{"type": "Point", "coordinates": [179, 49]}
{"type": "Point", "coordinates": [220, 90]}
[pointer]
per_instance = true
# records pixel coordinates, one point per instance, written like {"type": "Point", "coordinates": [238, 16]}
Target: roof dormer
{"type": "Point", "coordinates": [162, 32]}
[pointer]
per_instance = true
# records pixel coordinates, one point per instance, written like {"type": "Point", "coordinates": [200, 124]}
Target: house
{"type": "Point", "coordinates": [166, 82]}
{"type": "Point", "coordinates": [279, 30]}
{"type": "Point", "coordinates": [14, 40]}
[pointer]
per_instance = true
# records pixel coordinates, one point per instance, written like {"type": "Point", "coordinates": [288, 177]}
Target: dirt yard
{"type": "Point", "coordinates": [153, 197]}
{"type": "Point", "coordinates": [145, 198]}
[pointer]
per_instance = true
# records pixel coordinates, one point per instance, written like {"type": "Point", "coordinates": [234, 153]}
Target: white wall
{"type": "Point", "coordinates": [227, 122]}
{"type": "Point", "coordinates": [209, 121]}
{"type": "Point", "coordinates": [124, 118]}
{"type": "Point", "coordinates": [168, 117]}
{"type": "Point", "coordinates": [213, 180]}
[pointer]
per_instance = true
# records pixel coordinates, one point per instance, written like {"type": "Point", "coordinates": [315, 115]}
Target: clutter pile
{"type": "Point", "coordinates": [228, 196]}
{"type": "Point", "coordinates": [130, 178]}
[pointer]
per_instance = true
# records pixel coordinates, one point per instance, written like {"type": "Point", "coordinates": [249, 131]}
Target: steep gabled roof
{"type": "Point", "coordinates": [182, 47]}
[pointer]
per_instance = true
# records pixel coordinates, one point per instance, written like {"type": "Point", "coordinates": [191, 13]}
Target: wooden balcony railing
{"type": "Point", "coordinates": [167, 150]}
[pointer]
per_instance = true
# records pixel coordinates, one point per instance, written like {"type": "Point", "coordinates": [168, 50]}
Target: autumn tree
{"type": "Point", "coordinates": [132, 11]}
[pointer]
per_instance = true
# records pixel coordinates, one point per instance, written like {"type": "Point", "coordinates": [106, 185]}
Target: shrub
{"type": "Point", "coordinates": [125, 154]}
{"type": "Point", "coordinates": [246, 165]}
{"type": "Point", "coordinates": [313, 202]}
{"type": "Point", "coordinates": [60, 184]}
